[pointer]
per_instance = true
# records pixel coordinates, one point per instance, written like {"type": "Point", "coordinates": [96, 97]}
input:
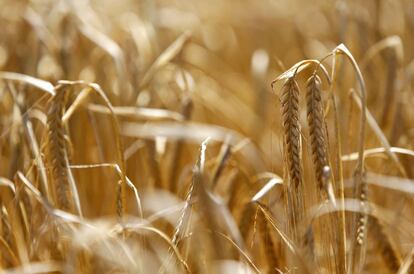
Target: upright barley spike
{"type": "Point", "coordinates": [292, 154]}
{"type": "Point", "coordinates": [319, 147]}
{"type": "Point", "coordinates": [57, 151]}
{"type": "Point", "coordinates": [316, 127]}
{"type": "Point", "coordinates": [291, 128]}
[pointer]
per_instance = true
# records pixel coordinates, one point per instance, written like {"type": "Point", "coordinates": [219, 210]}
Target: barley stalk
{"type": "Point", "coordinates": [247, 217]}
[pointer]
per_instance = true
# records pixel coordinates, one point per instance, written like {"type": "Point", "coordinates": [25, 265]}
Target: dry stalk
{"type": "Point", "coordinates": [222, 159]}
{"type": "Point", "coordinates": [186, 110]}
{"type": "Point", "coordinates": [247, 217]}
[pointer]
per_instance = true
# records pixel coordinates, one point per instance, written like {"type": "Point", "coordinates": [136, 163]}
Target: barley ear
{"type": "Point", "coordinates": [316, 128]}
{"type": "Point", "coordinates": [66, 193]}
{"type": "Point", "coordinates": [56, 144]}
{"type": "Point", "coordinates": [292, 154]}
{"type": "Point", "coordinates": [291, 131]}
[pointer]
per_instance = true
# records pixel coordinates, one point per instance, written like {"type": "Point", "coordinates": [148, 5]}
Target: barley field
{"type": "Point", "coordinates": [194, 136]}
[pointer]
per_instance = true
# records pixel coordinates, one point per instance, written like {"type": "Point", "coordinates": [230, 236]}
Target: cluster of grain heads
{"type": "Point", "coordinates": [295, 187]}
{"type": "Point", "coordinates": [331, 252]}
{"type": "Point", "coordinates": [333, 237]}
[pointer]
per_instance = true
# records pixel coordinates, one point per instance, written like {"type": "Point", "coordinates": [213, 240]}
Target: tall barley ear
{"type": "Point", "coordinates": [319, 146]}
{"type": "Point", "coordinates": [65, 189]}
{"type": "Point", "coordinates": [316, 128]}
{"type": "Point", "coordinates": [291, 130]}
{"type": "Point", "coordinates": [56, 150]}
{"type": "Point", "coordinates": [292, 154]}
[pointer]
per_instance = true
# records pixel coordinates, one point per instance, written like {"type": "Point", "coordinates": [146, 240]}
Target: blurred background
{"type": "Point", "coordinates": [209, 64]}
